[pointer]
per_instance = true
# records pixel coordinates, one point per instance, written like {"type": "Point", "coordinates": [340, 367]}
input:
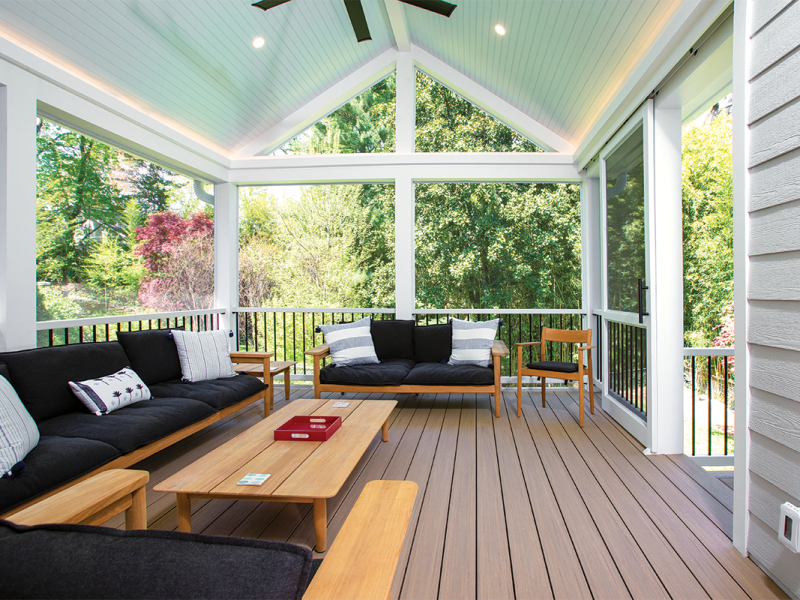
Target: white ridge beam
{"type": "Point", "coordinates": [321, 106]}
{"type": "Point", "coordinates": [399, 28]}
{"type": "Point", "coordinates": [490, 102]}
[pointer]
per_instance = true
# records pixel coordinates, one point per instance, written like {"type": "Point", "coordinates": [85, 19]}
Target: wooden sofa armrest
{"type": "Point", "coordinates": [250, 357]}
{"type": "Point", "coordinates": [93, 501]}
{"type": "Point", "coordinates": [499, 348]}
{"type": "Point", "coordinates": [321, 350]}
{"type": "Point", "coordinates": [362, 560]}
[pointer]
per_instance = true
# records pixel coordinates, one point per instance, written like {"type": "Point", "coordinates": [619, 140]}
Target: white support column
{"type": "Point", "coordinates": [226, 250]}
{"type": "Point", "coordinates": [17, 215]}
{"type": "Point", "coordinates": [666, 285]}
{"type": "Point", "coordinates": [590, 259]}
{"type": "Point", "coordinates": [406, 109]}
{"type": "Point", "coordinates": [404, 283]}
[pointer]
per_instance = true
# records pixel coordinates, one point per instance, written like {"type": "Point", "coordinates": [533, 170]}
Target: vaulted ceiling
{"type": "Point", "coordinates": [191, 63]}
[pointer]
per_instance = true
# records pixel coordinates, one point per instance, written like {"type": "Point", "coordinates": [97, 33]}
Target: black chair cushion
{"type": "Point", "coordinates": [40, 375]}
{"type": "Point", "coordinates": [433, 343]}
{"type": "Point", "coordinates": [153, 354]}
{"type": "Point", "coordinates": [131, 427]}
{"type": "Point", "coordinates": [79, 561]}
{"type": "Point", "coordinates": [217, 393]}
{"type": "Point", "coordinates": [393, 339]}
{"type": "Point", "coordinates": [439, 374]}
{"type": "Point", "coordinates": [54, 460]}
{"type": "Point", "coordinates": [554, 365]}
{"type": "Point", "coordinates": [388, 372]}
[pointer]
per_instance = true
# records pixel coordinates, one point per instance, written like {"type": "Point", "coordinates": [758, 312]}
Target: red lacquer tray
{"type": "Point", "coordinates": [308, 429]}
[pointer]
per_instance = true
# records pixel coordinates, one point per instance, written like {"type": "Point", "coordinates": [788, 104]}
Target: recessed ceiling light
{"type": "Point", "coordinates": [258, 42]}
{"type": "Point", "coordinates": [500, 29]}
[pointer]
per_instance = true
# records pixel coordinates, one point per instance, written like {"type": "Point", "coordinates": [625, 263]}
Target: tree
{"type": "Point", "coordinates": [152, 186]}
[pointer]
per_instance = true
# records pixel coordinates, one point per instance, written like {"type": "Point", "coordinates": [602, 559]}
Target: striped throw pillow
{"type": "Point", "coordinates": [350, 343]}
{"type": "Point", "coordinates": [18, 431]}
{"type": "Point", "coordinates": [203, 354]}
{"type": "Point", "coordinates": [106, 394]}
{"type": "Point", "coordinates": [472, 342]}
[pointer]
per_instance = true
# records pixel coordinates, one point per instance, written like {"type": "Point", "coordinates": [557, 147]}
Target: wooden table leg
{"type": "Point", "coordinates": [286, 381]}
{"type": "Point", "coordinates": [136, 515]}
{"type": "Point", "coordinates": [321, 523]}
{"type": "Point", "coordinates": [184, 513]}
{"type": "Point", "coordinates": [385, 431]}
{"type": "Point", "coordinates": [271, 392]}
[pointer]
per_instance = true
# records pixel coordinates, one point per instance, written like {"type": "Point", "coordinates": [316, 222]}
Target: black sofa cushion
{"type": "Point", "coordinates": [54, 461]}
{"type": "Point", "coordinates": [217, 393]}
{"type": "Point", "coordinates": [131, 427]}
{"type": "Point", "coordinates": [40, 375]}
{"type": "Point", "coordinates": [68, 561]}
{"type": "Point", "coordinates": [554, 365]}
{"type": "Point", "coordinates": [433, 343]}
{"type": "Point", "coordinates": [4, 372]}
{"type": "Point", "coordinates": [153, 354]}
{"type": "Point", "coordinates": [393, 339]}
{"type": "Point", "coordinates": [439, 374]}
{"type": "Point", "coordinates": [389, 372]}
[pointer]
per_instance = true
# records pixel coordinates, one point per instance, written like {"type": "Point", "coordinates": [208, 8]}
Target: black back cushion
{"type": "Point", "coordinates": [393, 339]}
{"type": "Point", "coordinates": [4, 371]}
{"type": "Point", "coordinates": [41, 376]}
{"type": "Point", "coordinates": [433, 343]}
{"type": "Point", "coordinates": [67, 561]}
{"type": "Point", "coordinates": [153, 354]}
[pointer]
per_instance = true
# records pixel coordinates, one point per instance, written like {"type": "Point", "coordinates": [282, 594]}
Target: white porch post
{"type": "Point", "coordinates": [17, 215]}
{"type": "Point", "coordinates": [666, 286]}
{"type": "Point", "coordinates": [590, 260]}
{"type": "Point", "coordinates": [226, 250]}
{"type": "Point", "coordinates": [405, 134]}
{"type": "Point", "coordinates": [406, 104]}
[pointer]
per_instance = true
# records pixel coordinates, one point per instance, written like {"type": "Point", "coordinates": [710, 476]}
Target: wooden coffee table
{"type": "Point", "coordinates": [300, 471]}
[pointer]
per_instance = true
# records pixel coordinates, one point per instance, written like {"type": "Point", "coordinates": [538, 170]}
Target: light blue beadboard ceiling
{"type": "Point", "coordinates": [191, 62]}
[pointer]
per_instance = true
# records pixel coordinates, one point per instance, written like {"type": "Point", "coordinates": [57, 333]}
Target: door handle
{"type": "Point", "coordinates": [642, 314]}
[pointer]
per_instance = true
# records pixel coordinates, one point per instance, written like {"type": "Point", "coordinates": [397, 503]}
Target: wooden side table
{"type": "Point", "coordinates": [275, 368]}
{"type": "Point", "coordinates": [93, 501]}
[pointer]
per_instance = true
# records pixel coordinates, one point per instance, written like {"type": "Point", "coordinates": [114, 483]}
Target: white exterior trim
{"type": "Point", "coordinates": [398, 22]}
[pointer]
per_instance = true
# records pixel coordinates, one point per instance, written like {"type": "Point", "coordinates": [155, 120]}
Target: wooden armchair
{"type": "Point", "coordinates": [558, 369]}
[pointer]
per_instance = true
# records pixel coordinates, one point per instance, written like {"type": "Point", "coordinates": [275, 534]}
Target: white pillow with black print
{"type": "Point", "coordinates": [204, 355]}
{"type": "Point", "coordinates": [106, 394]}
{"type": "Point", "coordinates": [18, 431]}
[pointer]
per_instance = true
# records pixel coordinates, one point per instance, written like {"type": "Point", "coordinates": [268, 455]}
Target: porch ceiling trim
{"type": "Point", "coordinates": [399, 27]}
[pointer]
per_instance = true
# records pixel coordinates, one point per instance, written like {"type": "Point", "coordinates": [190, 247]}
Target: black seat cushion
{"type": "Point", "coordinates": [433, 343]}
{"type": "Point", "coordinates": [554, 365]}
{"type": "Point", "coordinates": [393, 339]}
{"type": "Point", "coordinates": [70, 561]}
{"type": "Point", "coordinates": [217, 393]}
{"type": "Point", "coordinates": [54, 460]}
{"type": "Point", "coordinates": [40, 376]}
{"type": "Point", "coordinates": [153, 354]}
{"type": "Point", "coordinates": [131, 427]}
{"type": "Point", "coordinates": [388, 372]}
{"type": "Point", "coordinates": [439, 374]}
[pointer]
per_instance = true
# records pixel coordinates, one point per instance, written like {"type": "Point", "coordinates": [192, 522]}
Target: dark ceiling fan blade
{"type": "Point", "coordinates": [267, 4]}
{"type": "Point", "coordinates": [438, 6]}
{"type": "Point", "coordinates": [357, 18]}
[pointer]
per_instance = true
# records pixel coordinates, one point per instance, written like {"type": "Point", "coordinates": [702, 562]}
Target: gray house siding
{"type": "Point", "coordinates": [774, 282]}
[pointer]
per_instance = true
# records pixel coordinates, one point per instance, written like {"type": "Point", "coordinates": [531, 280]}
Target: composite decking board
{"type": "Point", "coordinates": [670, 569]}
{"type": "Point", "coordinates": [459, 559]}
{"type": "Point", "coordinates": [495, 580]}
{"type": "Point", "coordinates": [423, 570]}
{"type": "Point", "coordinates": [527, 558]}
{"type": "Point", "coordinates": [419, 471]}
{"type": "Point", "coordinates": [637, 573]}
{"type": "Point", "coordinates": [712, 485]}
{"type": "Point", "coordinates": [602, 573]}
{"type": "Point", "coordinates": [567, 578]}
{"type": "Point", "coordinates": [700, 543]}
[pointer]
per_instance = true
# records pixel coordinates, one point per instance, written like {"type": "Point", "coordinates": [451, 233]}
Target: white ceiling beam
{"type": "Point", "coordinates": [399, 28]}
{"type": "Point", "coordinates": [491, 103]}
{"type": "Point", "coordinates": [321, 106]}
{"type": "Point", "coordinates": [686, 24]}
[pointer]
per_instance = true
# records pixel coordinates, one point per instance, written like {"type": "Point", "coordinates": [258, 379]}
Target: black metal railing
{"type": "Point", "coordinates": [598, 351]}
{"type": "Point", "coordinates": [708, 373]}
{"type": "Point", "coordinates": [627, 365]}
{"type": "Point", "coordinates": [105, 329]}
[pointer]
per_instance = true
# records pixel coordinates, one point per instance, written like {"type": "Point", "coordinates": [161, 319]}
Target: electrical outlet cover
{"type": "Point", "coordinates": [789, 527]}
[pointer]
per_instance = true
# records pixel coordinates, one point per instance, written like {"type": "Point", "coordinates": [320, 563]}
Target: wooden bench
{"type": "Point", "coordinates": [499, 349]}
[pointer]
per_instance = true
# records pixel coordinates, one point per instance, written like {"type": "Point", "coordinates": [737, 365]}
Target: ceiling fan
{"type": "Point", "coordinates": [356, 12]}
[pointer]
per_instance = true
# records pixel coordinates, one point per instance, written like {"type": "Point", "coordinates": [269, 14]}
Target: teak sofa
{"type": "Point", "coordinates": [75, 444]}
{"type": "Point", "coordinates": [413, 361]}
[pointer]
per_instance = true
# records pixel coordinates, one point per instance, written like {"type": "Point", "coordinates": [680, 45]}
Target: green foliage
{"type": "Point", "coordinates": [707, 228]}
{"type": "Point", "coordinates": [152, 187]}
{"type": "Point", "coordinates": [52, 305]}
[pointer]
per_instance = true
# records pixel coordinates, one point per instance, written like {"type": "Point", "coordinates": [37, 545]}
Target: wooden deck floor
{"type": "Point", "coordinates": [528, 508]}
